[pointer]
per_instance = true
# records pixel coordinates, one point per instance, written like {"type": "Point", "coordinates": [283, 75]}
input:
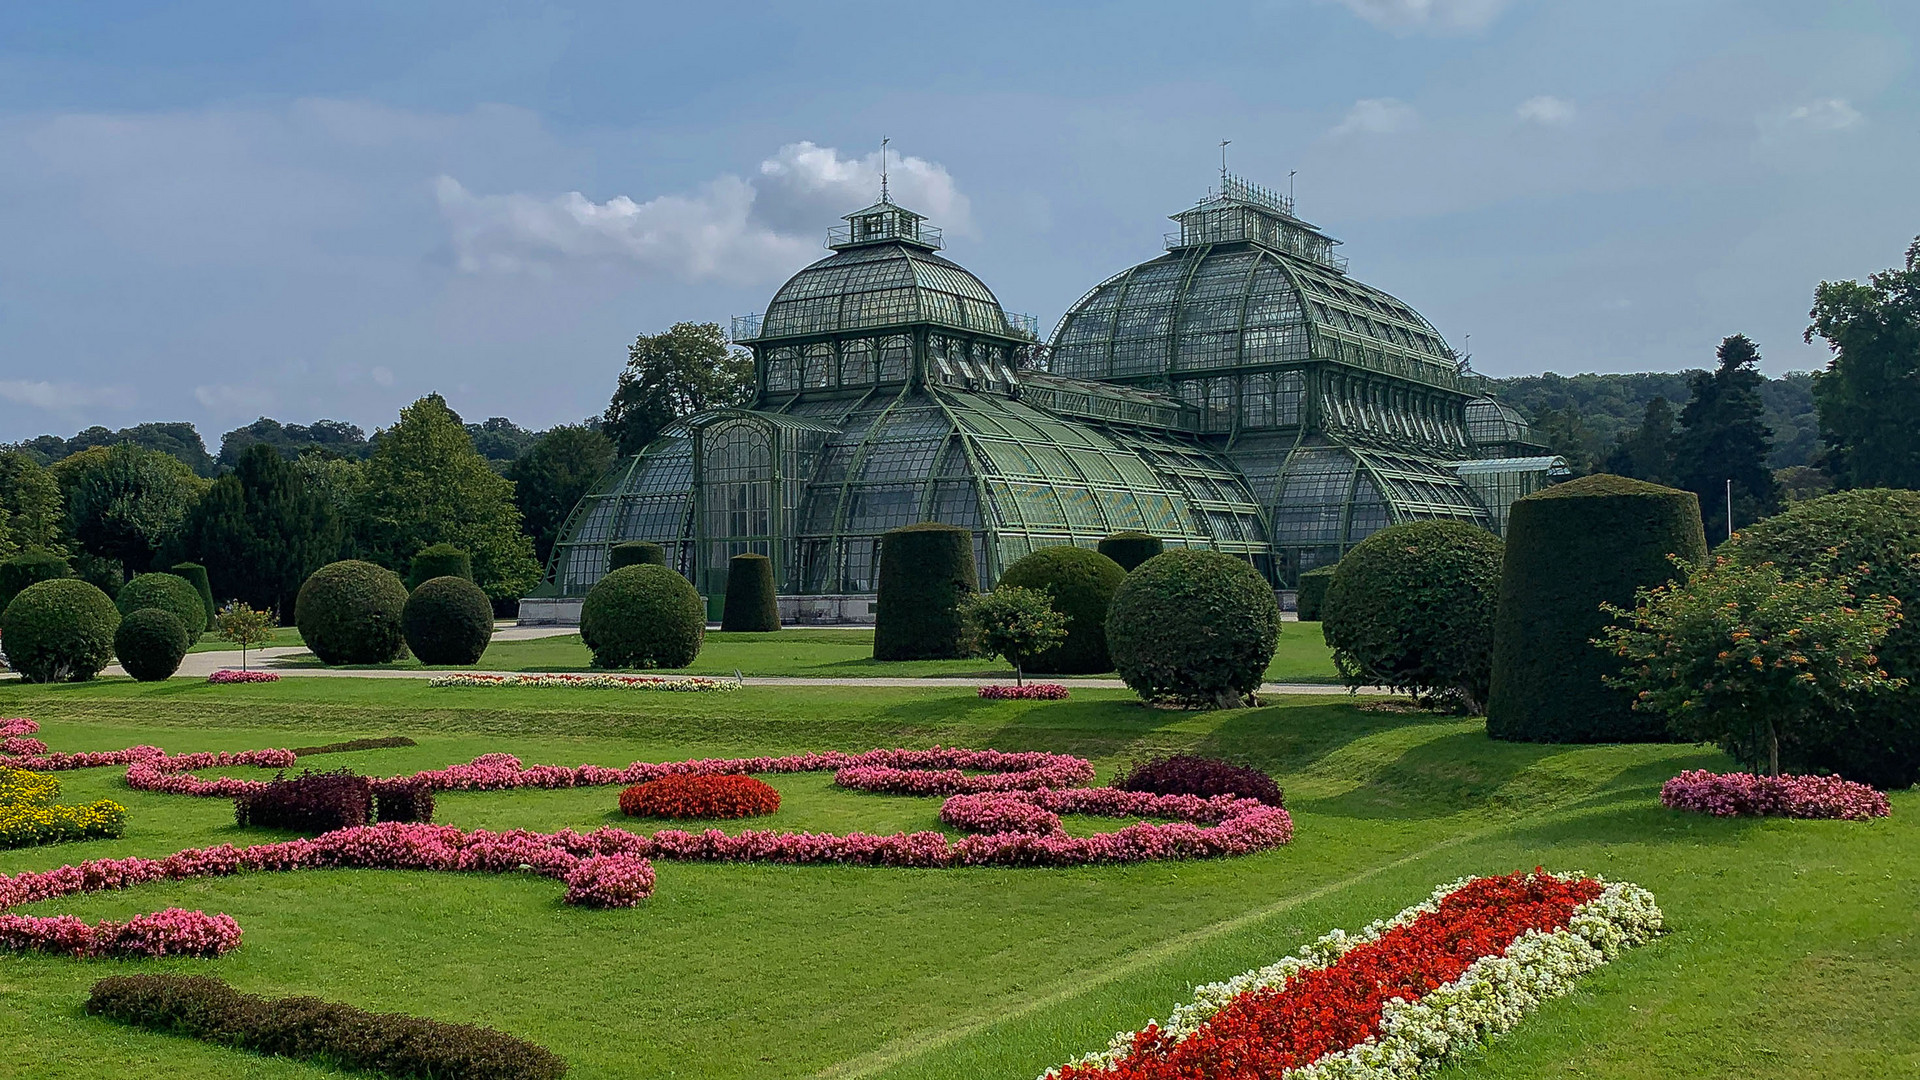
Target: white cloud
{"type": "Point", "coordinates": [1429, 16]}
{"type": "Point", "coordinates": [65, 397]}
{"type": "Point", "coordinates": [1828, 114]}
{"type": "Point", "coordinates": [228, 400]}
{"type": "Point", "coordinates": [382, 376]}
{"type": "Point", "coordinates": [1377, 116]}
{"type": "Point", "coordinates": [1546, 110]}
{"type": "Point", "coordinates": [818, 182]}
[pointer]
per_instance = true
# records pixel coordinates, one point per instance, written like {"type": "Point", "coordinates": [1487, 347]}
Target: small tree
{"type": "Point", "coordinates": [1741, 655]}
{"type": "Point", "coordinates": [244, 627]}
{"type": "Point", "coordinates": [1014, 622]}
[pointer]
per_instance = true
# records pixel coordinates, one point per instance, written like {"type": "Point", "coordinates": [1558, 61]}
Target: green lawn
{"type": "Point", "coordinates": [1791, 952]}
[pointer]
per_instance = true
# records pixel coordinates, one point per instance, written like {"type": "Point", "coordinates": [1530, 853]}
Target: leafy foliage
{"type": "Point", "coordinates": [59, 631]}
{"type": "Point", "coordinates": [1870, 393]}
{"type": "Point", "coordinates": [1192, 774]}
{"type": "Point", "coordinates": [1585, 416]}
{"type": "Point", "coordinates": [925, 571]}
{"type": "Point", "coordinates": [244, 626]}
{"type": "Point", "coordinates": [1015, 622]}
{"type": "Point", "coordinates": [552, 477]}
{"type": "Point", "coordinates": [169, 593]}
{"type": "Point", "coordinates": [1651, 451]}
{"type": "Point", "coordinates": [447, 620]}
{"type": "Point", "coordinates": [1130, 549]}
{"type": "Point", "coordinates": [178, 440]}
{"type": "Point", "coordinates": [1081, 584]}
{"type": "Point", "coordinates": [349, 612]}
{"type": "Point", "coordinates": [1195, 627]}
{"type": "Point", "coordinates": [330, 438]}
{"type": "Point", "coordinates": [751, 605]}
{"type": "Point", "coordinates": [31, 565]}
{"type": "Point", "coordinates": [150, 643]}
{"type": "Point", "coordinates": [500, 441]}
{"type": "Point", "coordinates": [1724, 438]}
{"type": "Point", "coordinates": [438, 560]}
{"type": "Point", "coordinates": [123, 502]}
{"type": "Point", "coordinates": [643, 617]}
{"type": "Point", "coordinates": [687, 368]}
{"type": "Point", "coordinates": [32, 508]}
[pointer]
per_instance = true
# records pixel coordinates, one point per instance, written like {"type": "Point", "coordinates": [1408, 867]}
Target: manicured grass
{"type": "Point", "coordinates": [1791, 952]}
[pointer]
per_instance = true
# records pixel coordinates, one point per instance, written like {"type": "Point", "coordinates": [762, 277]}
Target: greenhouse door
{"type": "Point", "coordinates": [736, 502]}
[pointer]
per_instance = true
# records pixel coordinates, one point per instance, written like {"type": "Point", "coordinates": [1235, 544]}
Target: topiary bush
{"type": "Point", "coordinates": [447, 620]}
{"type": "Point", "coordinates": [310, 803]}
{"type": "Point", "coordinates": [150, 643]}
{"type": "Point", "coordinates": [29, 567]}
{"type": "Point", "coordinates": [438, 560]}
{"type": "Point", "coordinates": [1080, 584]}
{"type": "Point", "coordinates": [196, 576]}
{"type": "Point", "coordinates": [1412, 607]}
{"type": "Point", "coordinates": [1871, 535]}
{"type": "Point", "coordinates": [1193, 627]}
{"type": "Point", "coordinates": [751, 605]}
{"type": "Point", "coordinates": [349, 612]}
{"type": "Point", "coordinates": [1571, 548]}
{"type": "Point", "coordinates": [635, 553]}
{"type": "Point", "coordinates": [59, 631]}
{"type": "Point", "coordinates": [1311, 594]}
{"type": "Point", "coordinates": [1130, 549]}
{"type": "Point", "coordinates": [924, 571]}
{"type": "Point", "coordinates": [643, 616]}
{"type": "Point", "coordinates": [170, 593]}
{"type": "Point", "coordinates": [1191, 774]}
{"type": "Point", "coordinates": [402, 799]}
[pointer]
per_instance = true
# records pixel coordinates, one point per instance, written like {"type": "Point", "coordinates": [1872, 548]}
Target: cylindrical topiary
{"type": "Point", "coordinates": [1080, 583]}
{"type": "Point", "coordinates": [750, 605]}
{"type": "Point", "coordinates": [196, 576]}
{"type": "Point", "coordinates": [1194, 627]}
{"type": "Point", "coordinates": [438, 560]}
{"type": "Point", "coordinates": [1412, 607]}
{"type": "Point", "coordinates": [924, 571]}
{"type": "Point", "coordinates": [635, 553]}
{"type": "Point", "coordinates": [447, 620]}
{"type": "Point", "coordinates": [150, 643]}
{"type": "Point", "coordinates": [30, 566]}
{"type": "Point", "coordinates": [349, 612]}
{"type": "Point", "coordinates": [643, 616]}
{"type": "Point", "coordinates": [59, 631]}
{"type": "Point", "coordinates": [1571, 548]}
{"type": "Point", "coordinates": [170, 593]}
{"type": "Point", "coordinates": [1311, 594]}
{"type": "Point", "coordinates": [1130, 549]}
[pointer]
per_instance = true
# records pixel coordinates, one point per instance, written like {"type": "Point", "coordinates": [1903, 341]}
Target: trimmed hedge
{"type": "Point", "coordinates": [1570, 548]}
{"type": "Point", "coordinates": [635, 553]}
{"type": "Point", "coordinates": [59, 631]}
{"type": "Point", "coordinates": [1194, 627]}
{"type": "Point", "coordinates": [402, 800]}
{"type": "Point", "coordinates": [30, 567]}
{"type": "Point", "coordinates": [1310, 595]}
{"type": "Point", "coordinates": [349, 612]}
{"type": "Point", "coordinates": [1878, 529]}
{"type": "Point", "coordinates": [170, 593]}
{"type": "Point", "coordinates": [385, 742]}
{"type": "Point", "coordinates": [326, 1032]}
{"type": "Point", "coordinates": [1412, 606]}
{"type": "Point", "coordinates": [447, 620]}
{"type": "Point", "coordinates": [643, 616]}
{"type": "Point", "coordinates": [924, 571]}
{"type": "Point", "coordinates": [438, 560]}
{"type": "Point", "coordinates": [150, 643]}
{"type": "Point", "coordinates": [1191, 774]}
{"type": "Point", "coordinates": [750, 605]}
{"type": "Point", "coordinates": [196, 576]}
{"type": "Point", "coordinates": [310, 803]}
{"type": "Point", "coordinates": [1080, 584]}
{"type": "Point", "coordinates": [1130, 549]}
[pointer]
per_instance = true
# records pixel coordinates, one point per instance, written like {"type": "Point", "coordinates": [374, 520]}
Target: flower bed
{"type": "Point", "coordinates": [1191, 774]}
{"type": "Point", "coordinates": [701, 797]}
{"type": "Point", "coordinates": [1747, 795]}
{"type": "Point", "coordinates": [228, 676]}
{"type": "Point", "coordinates": [691, 684]}
{"type": "Point", "coordinates": [946, 771]}
{"type": "Point", "coordinates": [1039, 691]}
{"type": "Point", "coordinates": [1401, 997]}
{"type": "Point", "coordinates": [29, 816]}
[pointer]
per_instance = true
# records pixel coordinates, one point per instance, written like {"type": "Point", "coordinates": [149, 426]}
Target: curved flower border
{"type": "Point", "coordinates": [691, 684]}
{"type": "Point", "coordinates": [1747, 795]}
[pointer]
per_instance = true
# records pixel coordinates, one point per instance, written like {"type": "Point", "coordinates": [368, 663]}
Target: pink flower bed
{"type": "Point", "coordinates": [21, 746]}
{"type": "Point", "coordinates": [226, 676]}
{"type": "Point", "coordinates": [18, 725]}
{"type": "Point", "coordinates": [1747, 795]}
{"type": "Point", "coordinates": [944, 772]}
{"type": "Point", "coordinates": [173, 932]}
{"type": "Point", "coordinates": [1030, 692]}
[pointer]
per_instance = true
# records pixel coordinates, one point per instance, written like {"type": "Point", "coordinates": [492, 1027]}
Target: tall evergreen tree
{"type": "Point", "coordinates": [1647, 453]}
{"type": "Point", "coordinates": [1724, 436]}
{"type": "Point", "coordinates": [1869, 396]}
{"type": "Point", "coordinates": [260, 531]}
{"type": "Point", "coordinates": [550, 478]}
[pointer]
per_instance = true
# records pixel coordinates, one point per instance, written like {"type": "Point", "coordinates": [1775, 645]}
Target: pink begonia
{"type": "Point", "coordinates": [610, 881]}
{"type": "Point", "coordinates": [1030, 692]}
{"type": "Point", "coordinates": [1747, 795]}
{"type": "Point", "coordinates": [226, 676]}
{"type": "Point", "coordinates": [18, 725]}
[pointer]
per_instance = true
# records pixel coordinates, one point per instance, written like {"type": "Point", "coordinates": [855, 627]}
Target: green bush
{"type": "Point", "coordinates": [1412, 607]}
{"type": "Point", "coordinates": [635, 553]}
{"type": "Point", "coordinates": [1310, 596]}
{"type": "Point", "coordinates": [643, 616]}
{"type": "Point", "coordinates": [1080, 584]}
{"type": "Point", "coordinates": [751, 605]}
{"type": "Point", "coordinates": [447, 620]}
{"type": "Point", "coordinates": [59, 631]}
{"type": "Point", "coordinates": [1195, 627]}
{"type": "Point", "coordinates": [170, 593]}
{"type": "Point", "coordinates": [1130, 549]}
{"type": "Point", "coordinates": [1871, 535]}
{"type": "Point", "coordinates": [196, 576]}
{"type": "Point", "coordinates": [349, 612]}
{"type": "Point", "coordinates": [30, 566]}
{"type": "Point", "coordinates": [1571, 548]}
{"type": "Point", "coordinates": [150, 643]}
{"type": "Point", "coordinates": [438, 560]}
{"type": "Point", "coordinates": [925, 570]}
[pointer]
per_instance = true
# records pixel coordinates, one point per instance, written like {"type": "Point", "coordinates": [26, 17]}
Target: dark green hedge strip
{"type": "Point", "coordinates": [327, 1032]}
{"type": "Point", "coordinates": [385, 743]}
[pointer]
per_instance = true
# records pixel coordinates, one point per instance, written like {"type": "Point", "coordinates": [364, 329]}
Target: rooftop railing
{"type": "Point", "coordinates": [881, 229]}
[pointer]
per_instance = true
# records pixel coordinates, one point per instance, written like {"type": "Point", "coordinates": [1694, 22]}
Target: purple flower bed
{"type": "Point", "coordinates": [1190, 774]}
{"type": "Point", "coordinates": [1747, 795]}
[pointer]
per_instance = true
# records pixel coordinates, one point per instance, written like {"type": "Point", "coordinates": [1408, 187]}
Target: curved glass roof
{"type": "Point", "coordinates": [1494, 423]}
{"type": "Point", "coordinates": [881, 285]}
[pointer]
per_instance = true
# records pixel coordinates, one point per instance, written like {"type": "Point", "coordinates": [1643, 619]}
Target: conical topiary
{"type": "Point", "coordinates": [924, 571]}
{"type": "Point", "coordinates": [751, 605]}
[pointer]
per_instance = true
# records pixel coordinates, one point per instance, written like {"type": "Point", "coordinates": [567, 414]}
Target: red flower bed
{"type": "Point", "coordinates": [701, 797]}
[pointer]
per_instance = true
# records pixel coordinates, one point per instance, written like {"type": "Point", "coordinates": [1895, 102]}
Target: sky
{"type": "Point", "coordinates": [217, 211]}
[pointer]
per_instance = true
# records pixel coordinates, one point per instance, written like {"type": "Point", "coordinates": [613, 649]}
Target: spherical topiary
{"type": "Point", "coordinates": [1569, 549]}
{"type": "Point", "coordinates": [196, 576]}
{"type": "Point", "coordinates": [349, 612]}
{"type": "Point", "coordinates": [1310, 596]}
{"type": "Point", "coordinates": [1130, 549]}
{"type": "Point", "coordinates": [751, 605]}
{"type": "Point", "coordinates": [643, 616]}
{"type": "Point", "coordinates": [1412, 607]}
{"type": "Point", "coordinates": [1193, 626]}
{"type": "Point", "coordinates": [30, 566]}
{"type": "Point", "coordinates": [150, 643]}
{"type": "Point", "coordinates": [447, 620]}
{"type": "Point", "coordinates": [438, 560]}
{"type": "Point", "coordinates": [59, 631]}
{"type": "Point", "coordinates": [170, 593]}
{"type": "Point", "coordinates": [924, 571]}
{"type": "Point", "coordinates": [1873, 536]}
{"type": "Point", "coordinates": [1081, 584]}
{"type": "Point", "coordinates": [635, 553]}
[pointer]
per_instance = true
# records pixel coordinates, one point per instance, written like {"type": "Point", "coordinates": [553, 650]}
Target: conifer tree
{"type": "Point", "coordinates": [1647, 453]}
{"type": "Point", "coordinates": [260, 531]}
{"type": "Point", "coordinates": [1724, 437]}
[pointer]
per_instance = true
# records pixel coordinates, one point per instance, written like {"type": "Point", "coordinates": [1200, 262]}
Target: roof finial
{"type": "Point", "coordinates": [1224, 143]}
{"type": "Point", "coordinates": [883, 167]}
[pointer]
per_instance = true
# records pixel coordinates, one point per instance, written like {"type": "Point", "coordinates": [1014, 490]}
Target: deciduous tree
{"type": "Point", "coordinates": [550, 478]}
{"type": "Point", "coordinates": [687, 368]}
{"type": "Point", "coordinates": [1869, 396]}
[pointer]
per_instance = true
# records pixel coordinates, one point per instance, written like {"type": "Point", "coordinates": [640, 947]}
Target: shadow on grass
{"type": "Point", "coordinates": [1438, 778]}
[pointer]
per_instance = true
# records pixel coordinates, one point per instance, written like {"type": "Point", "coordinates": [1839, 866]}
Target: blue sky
{"type": "Point", "coordinates": [213, 211]}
